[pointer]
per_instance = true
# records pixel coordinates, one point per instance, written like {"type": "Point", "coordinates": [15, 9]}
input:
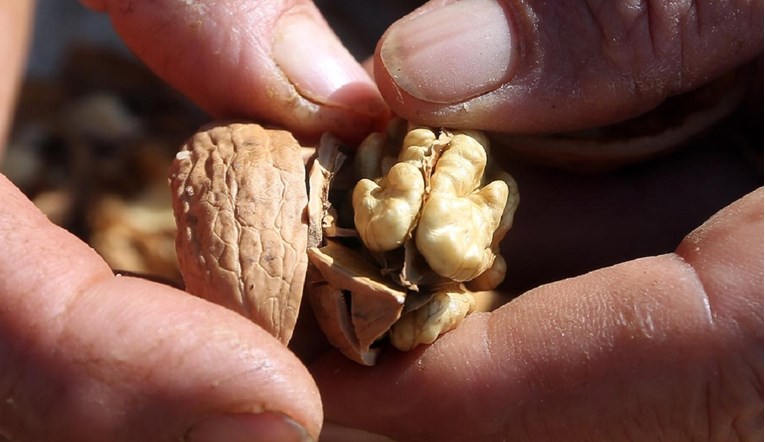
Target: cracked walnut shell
{"type": "Point", "coordinates": [397, 241]}
{"type": "Point", "coordinates": [239, 199]}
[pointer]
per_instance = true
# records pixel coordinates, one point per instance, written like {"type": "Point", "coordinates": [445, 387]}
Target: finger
{"type": "Point", "coordinates": [15, 21]}
{"type": "Point", "coordinates": [88, 356]}
{"type": "Point", "coordinates": [271, 60]}
{"type": "Point", "coordinates": [651, 349]}
{"type": "Point", "coordinates": [548, 66]}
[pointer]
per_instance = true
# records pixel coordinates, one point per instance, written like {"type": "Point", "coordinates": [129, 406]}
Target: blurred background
{"type": "Point", "coordinates": [61, 23]}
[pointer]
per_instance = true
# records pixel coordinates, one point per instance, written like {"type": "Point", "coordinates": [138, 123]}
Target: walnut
{"type": "Point", "coordinates": [442, 313]}
{"type": "Point", "coordinates": [397, 238]}
{"type": "Point", "coordinates": [239, 199]}
{"type": "Point", "coordinates": [437, 192]}
{"type": "Point", "coordinates": [431, 220]}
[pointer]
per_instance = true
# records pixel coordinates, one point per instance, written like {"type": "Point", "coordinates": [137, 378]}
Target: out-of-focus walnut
{"type": "Point", "coordinates": [239, 198]}
{"type": "Point", "coordinates": [136, 235]}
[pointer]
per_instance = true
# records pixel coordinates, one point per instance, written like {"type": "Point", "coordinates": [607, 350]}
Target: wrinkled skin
{"type": "Point", "coordinates": [664, 347]}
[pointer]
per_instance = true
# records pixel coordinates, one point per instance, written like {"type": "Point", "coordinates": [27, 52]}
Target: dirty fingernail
{"type": "Point", "coordinates": [453, 53]}
{"type": "Point", "coordinates": [263, 427]}
{"type": "Point", "coordinates": [320, 67]}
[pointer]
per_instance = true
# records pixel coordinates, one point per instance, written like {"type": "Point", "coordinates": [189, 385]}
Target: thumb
{"type": "Point", "coordinates": [666, 347]}
{"type": "Point", "coordinates": [552, 66]}
{"type": "Point", "coordinates": [272, 60]}
{"type": "Point", "coordinates": [88, 356]}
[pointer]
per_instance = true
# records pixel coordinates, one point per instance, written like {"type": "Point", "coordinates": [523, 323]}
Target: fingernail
{"type": "Point", "coordinates": [263, 427]}
{"type": "Point", "coordinates": [320, 67]}
{"type": "Point", "coordinates": [452, 54]}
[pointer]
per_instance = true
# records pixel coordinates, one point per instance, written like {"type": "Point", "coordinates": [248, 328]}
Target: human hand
{"type": "Point", "coordinates": [272, 61]}
{"type": "Point", "coordinates": [86, 355]}
{"type": "Point", "coordinates": [661, 347]}
{"type": "Point", "coordinates": [135, 21]}
{"type": "Point", "coordinates": [89, 356]}
{"type": "Point", "coordinates": [549, 67]}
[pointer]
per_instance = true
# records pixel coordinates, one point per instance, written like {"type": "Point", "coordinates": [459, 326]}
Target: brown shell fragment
{"type": "Point", "coordinates": [322, 219]}
{"type": "Point", "coordinates": [239, 198]}
{"type": "Point", "coordinates": [375, 304]}
{"type": "Point", "coordinates": [331, 310]}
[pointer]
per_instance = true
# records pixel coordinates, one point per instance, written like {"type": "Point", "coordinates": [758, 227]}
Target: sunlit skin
{"type": "Point", "coordinates": [668, 346]}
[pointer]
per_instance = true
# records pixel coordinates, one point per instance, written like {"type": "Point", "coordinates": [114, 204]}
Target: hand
{"type": "Point", "coordinates": [271, 61]}
{"type": "Point", "coordinates": [87, 356]}
{"type": "Point", "coordinates": [157, 375]}
{"type": "Point", "coordinates": [550, 66]}
{"type": "Point", "coordinates": [661, 347]}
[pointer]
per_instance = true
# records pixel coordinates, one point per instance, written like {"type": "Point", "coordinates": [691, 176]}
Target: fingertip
{"type": "Point", "coordinates": [452, 52]}
{"type": "Point", "coordinates": [537, 68]}
{"type": "Point", "coordinates": [277, 62]}
{"type": "Point", "coordinates": [340, 95]}
{"type": "Point", "coordinates": [205, 364]}
{"type": "Point", "coordinates": [318, 65]}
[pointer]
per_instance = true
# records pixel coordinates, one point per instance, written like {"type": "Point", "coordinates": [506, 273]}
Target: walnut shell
{"type": "Point", "coordinates": [246, 231]}
{"type": "Point", "coordinates": [375, 303]}
{"type": "Point", "coordinates": [239, 198]}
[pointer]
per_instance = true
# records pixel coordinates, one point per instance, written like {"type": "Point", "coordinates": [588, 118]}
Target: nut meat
{"type": "Point", "coordinates": [429, 217]}
{"type": "Point", "coordinates": [398, 238]}
{"type": "Point", "coordinates": [439, 192]}
{"type": "Point", "coordinates": [239, 199]}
